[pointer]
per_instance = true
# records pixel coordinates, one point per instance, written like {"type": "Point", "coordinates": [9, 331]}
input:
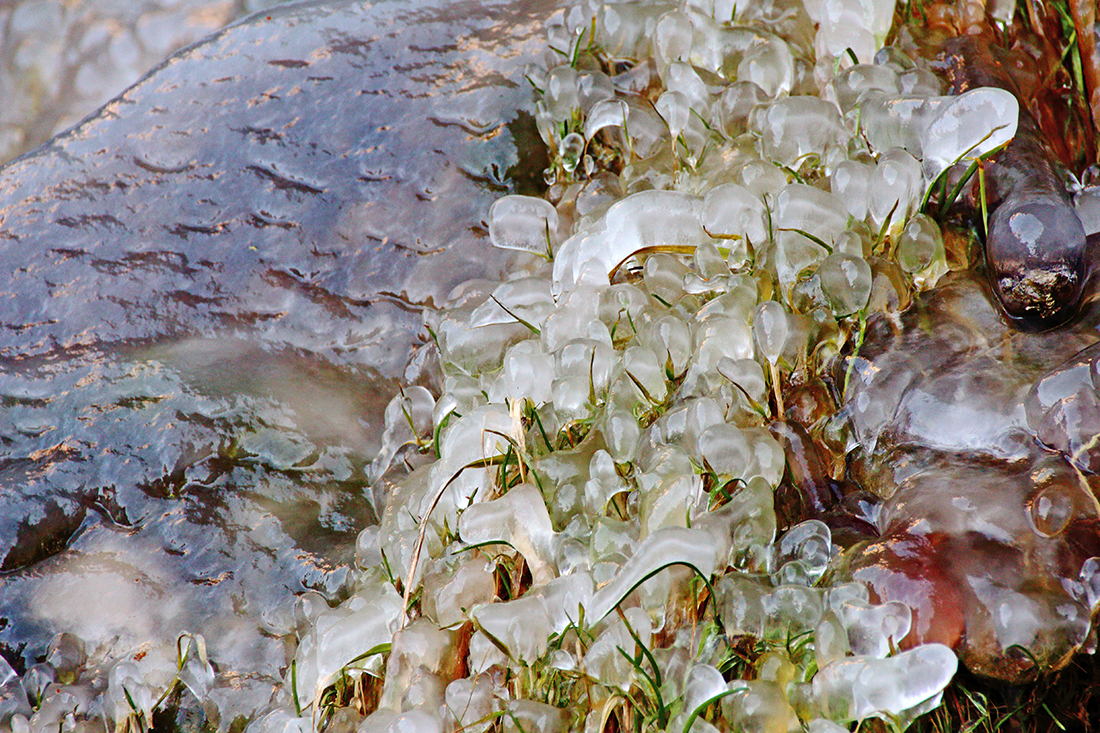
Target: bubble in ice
{"type": "Point", "coordinates": [967, 127]}
{"type": "Point", "coordinates": [846, 283]}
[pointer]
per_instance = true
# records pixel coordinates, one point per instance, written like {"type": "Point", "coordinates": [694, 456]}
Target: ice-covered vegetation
{"type": "Point", "coordinates": [582, 530]}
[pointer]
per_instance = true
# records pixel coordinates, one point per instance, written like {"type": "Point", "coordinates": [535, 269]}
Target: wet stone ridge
{"type": "Point", "coordinates": [206, 288]}
{"type": "Point", "coordinates": [979, 438]}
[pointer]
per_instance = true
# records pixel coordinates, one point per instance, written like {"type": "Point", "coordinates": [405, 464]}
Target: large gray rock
{"type": "Point", "coordinates": [209, 289]}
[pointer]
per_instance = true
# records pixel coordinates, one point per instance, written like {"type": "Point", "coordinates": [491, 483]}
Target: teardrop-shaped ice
{"type": "Point", "coordinates": [967, 127]}
{"type": "Point", "coordinates": [846, 282]}
{"type": "Point", "coordinates": [770, 330]}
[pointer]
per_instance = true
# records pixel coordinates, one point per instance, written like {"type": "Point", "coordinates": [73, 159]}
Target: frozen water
{"type": "Point", "coordinates": [524, 223]}
{"type": "Point", "coordinates": [518, 518]}
{"type": "Point", "coordinates": [665, 547]}
{"type": "Point", "coordinates": [846, 282]}
{"type": "Point", "coordinates": [967, 127]}
{"type": "Point", "coordinates": [792, 128]}
{"type": "Point", "coordinates": [732, 211]}
{"type": "Point", "coordinates": [857, 688]}
{"type": "Point", "coordinates": [343, 634]}
{"type": "Point", "coordinates": [646, 219]}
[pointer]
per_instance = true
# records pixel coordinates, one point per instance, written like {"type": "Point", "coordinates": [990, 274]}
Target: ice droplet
{"type": "Point", "coordinates": [525, 223]}
{"type": "Point", "coordinates": [967, 127]}
{"type": "Point", "coordinates": [570, 151]}
{"type": "Point", "coordinates": [770, 330]}
{"type": "Point", "coordinates": [846, 282]}
{"type": "Point", "coordinates": [605, 113]}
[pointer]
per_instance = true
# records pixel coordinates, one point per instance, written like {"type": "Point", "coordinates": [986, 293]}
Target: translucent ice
{"type": "Point", "coordinates": [518, 518]}
{"type": "Point", "coordinates": [857, 688]}
{"type": "Point", "coordinates": [665, 547]}
{"type": "Point", "coordinates": [646, 219]}
{"type": "Point", "coordinates": [967, 127]}
{"type": "Point", "coordinates": [794, 127]}
{"type": "Point", "coordinates": [732, 211]}
{"type": "Point", "coordinates": [846, 282]}
{"type": "Point", "coordinates": [343, 634]}
{"type": "Point", "coordinates": [524, 223]}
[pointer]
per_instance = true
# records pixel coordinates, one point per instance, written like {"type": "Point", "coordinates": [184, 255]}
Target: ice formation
{"type": "Point", "coordinates": [587, 511]}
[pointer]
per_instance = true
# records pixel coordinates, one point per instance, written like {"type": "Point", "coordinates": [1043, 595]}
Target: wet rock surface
{"type": "Point", "coordinates": [210, 289]}
{"type": "Point", "coordinates": [980, 440]}
{"type": "Point", "coordinates": [60, 61]}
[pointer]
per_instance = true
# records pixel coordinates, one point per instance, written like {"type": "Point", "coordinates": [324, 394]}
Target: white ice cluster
{"type": "Point", "coordinates": [716, 219]}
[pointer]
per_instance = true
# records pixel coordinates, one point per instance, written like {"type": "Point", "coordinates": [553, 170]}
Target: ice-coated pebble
{"type": "Point", "coordinates": [967, 127]}
{"type": "Point", "coordinates": [857, 688]}
{"type": "Point", "coordinates": [525, 223]}
{"type": "Point", "coordinates": [846, 283]}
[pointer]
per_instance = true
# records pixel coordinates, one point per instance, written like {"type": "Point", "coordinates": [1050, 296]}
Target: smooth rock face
{"type": "Point", "coordinates": [210, 289]}
{"type": "Point", "coordinates": [980, 440]}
